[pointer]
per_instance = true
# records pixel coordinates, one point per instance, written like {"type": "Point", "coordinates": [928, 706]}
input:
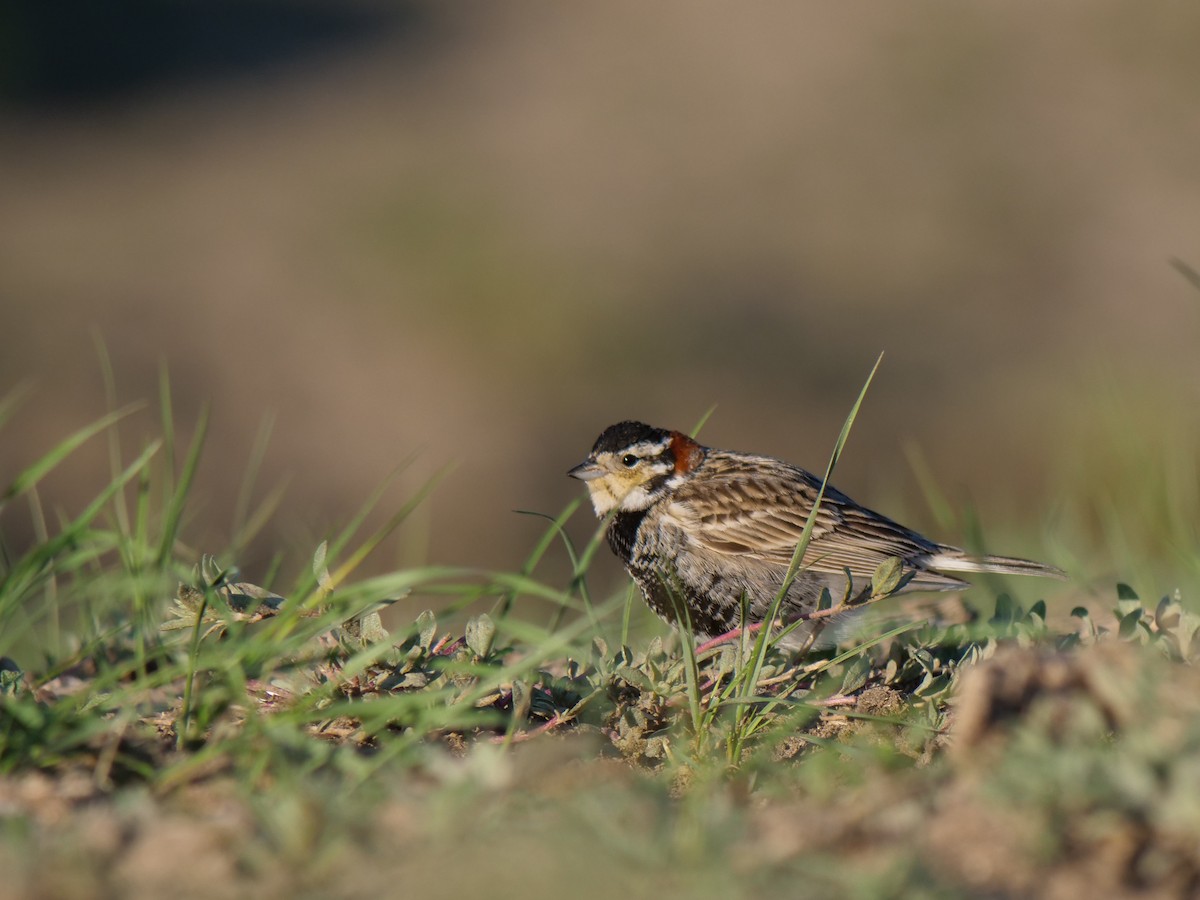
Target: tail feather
{"type": "Point", "coordinates": [952, 560]}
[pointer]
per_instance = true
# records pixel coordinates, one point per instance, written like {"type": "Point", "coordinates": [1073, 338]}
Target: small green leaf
{"type": "Point", "coordinates": [12, 679]}
{"type": "Point", "coordinates": [887, 576]}
{"type": "Point", "coordinates": [426, 628]}
{"type": "Point", "coordinates": [1129, 624]}
{"type": "Point", "coordinates": [654, 650]}
{"type": "Point", "coordinates": [521, 700]}
{"type": "Point", "coordinates": [95, 701]}
{"type": "Point", "coordinates": [480, 633]}
{"type": "Point", "coordinates": [245, 597]}
{"type": "Point", "coordinates": [1007, 611]}
{"type": "Point", "coordinates": [27, 712]}
{"type": "Point", "coordinates": [319, 568]}
{"type": "Point", "coordinates": [825, 600]}
{"type": "Point", "coordinates": [856, 675]}
{"type": "Point", "coordinates": [932, 685]}
{"type": "Point", "coordinates": [367, 629]}
{"type": "Point", "coordinates": [212, 572]}
{"type": "Point", "coordinates": [635, 677]}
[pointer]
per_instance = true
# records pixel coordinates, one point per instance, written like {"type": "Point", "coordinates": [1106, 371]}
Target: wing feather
{"type": "Point", "coordinates": [757, 507]}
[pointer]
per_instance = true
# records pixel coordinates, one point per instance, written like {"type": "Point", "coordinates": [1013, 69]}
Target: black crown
{"type": "Point", "coordinates": [624, 434]}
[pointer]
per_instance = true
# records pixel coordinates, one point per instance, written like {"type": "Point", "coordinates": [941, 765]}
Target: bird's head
{"type": "Point", "coordinates": [632, 465]}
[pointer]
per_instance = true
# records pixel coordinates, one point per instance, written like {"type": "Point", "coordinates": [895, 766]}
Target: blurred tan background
{"type": "Point", "coordinates": [483, 232]}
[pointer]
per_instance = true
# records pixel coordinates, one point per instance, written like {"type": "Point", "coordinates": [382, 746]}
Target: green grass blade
{"type": "Point", "coordinates": [935, 499]}
{"type": "Point", "coordinates": [178, 498]}
{"type": "Point", "coordinates": [555, 529]}
{"type": "Point", "coordinates": [343, 571]}
{"type": "Point", "coordinates": [252, 525]}
{"type": "Point", "coordinates": [691, 667]}
{"type": "Point", "coordinates": [11, 402]}
{"type": "Point", "coordinates": [764, 639]}
{"type": "Point", "coordinates": [26, 572]}
{"type": "Point", "coordinates": [47, 463]}
{"type": "Point", "coordinates": [703, 420]}
{"type": "Point", "coordinates": [1190, 275]}
{"type": "Point", "coordinates": [166, 413]}
{"type": "Point", "coordinates": [242, 517]}
{"type": "Point", "coordinates": [109, 379]}
{"type": "Point", "coordinates": [342, 540]}
{"type": "Point", "coordinates": [834, 457]}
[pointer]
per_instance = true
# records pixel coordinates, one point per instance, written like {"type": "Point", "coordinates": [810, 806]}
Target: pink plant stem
{"type": "Point", "coordinates": [520, 736]}
{"type": "Point", "coordinates": [445, 646]}
{"type": "Point", "coordinates": [838, 700]}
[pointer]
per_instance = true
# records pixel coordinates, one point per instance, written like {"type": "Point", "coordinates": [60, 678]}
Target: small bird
{"type": "Point", "coordinates": [707, 530]}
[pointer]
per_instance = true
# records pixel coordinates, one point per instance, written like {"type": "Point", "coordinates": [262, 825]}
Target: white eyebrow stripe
{"type": "Point", "coordinates": [646, 448]}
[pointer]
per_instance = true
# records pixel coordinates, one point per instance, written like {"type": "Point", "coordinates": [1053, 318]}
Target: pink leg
{"type": "Point", "coordinates": [722, 638]}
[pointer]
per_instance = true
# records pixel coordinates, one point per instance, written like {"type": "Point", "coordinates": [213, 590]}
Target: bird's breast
{"type": "Point", "coordinates": [623, 533]}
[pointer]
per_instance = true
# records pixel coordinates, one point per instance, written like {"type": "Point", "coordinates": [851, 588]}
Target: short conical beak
{"type": "Point", "coordinates": [586, 471]}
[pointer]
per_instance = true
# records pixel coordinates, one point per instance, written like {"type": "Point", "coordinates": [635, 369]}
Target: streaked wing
{"type": "Point", "coordinates": [757, 507]}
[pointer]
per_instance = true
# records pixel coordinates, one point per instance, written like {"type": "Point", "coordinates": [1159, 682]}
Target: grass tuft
{"type": "Point", "coordinates": [373, 730]}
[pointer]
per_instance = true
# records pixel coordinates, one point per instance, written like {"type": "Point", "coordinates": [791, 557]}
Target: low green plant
{"type": "Point", "coordinates": [128, 659]}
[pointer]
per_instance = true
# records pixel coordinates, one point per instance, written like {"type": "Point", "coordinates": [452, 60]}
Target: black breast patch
{"type": "Point", "coordinates": [622, 533]}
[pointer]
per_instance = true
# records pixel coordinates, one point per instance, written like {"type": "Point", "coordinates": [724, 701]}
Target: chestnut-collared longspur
{"type": "Point", "coordinates": [712, 530]}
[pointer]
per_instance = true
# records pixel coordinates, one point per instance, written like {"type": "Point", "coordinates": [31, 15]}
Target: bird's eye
{"type": "Point", "coordinates": [629, 460]}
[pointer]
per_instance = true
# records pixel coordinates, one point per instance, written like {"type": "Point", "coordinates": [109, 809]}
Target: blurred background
{"type": "Point", "coordinates": [479, 233]}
